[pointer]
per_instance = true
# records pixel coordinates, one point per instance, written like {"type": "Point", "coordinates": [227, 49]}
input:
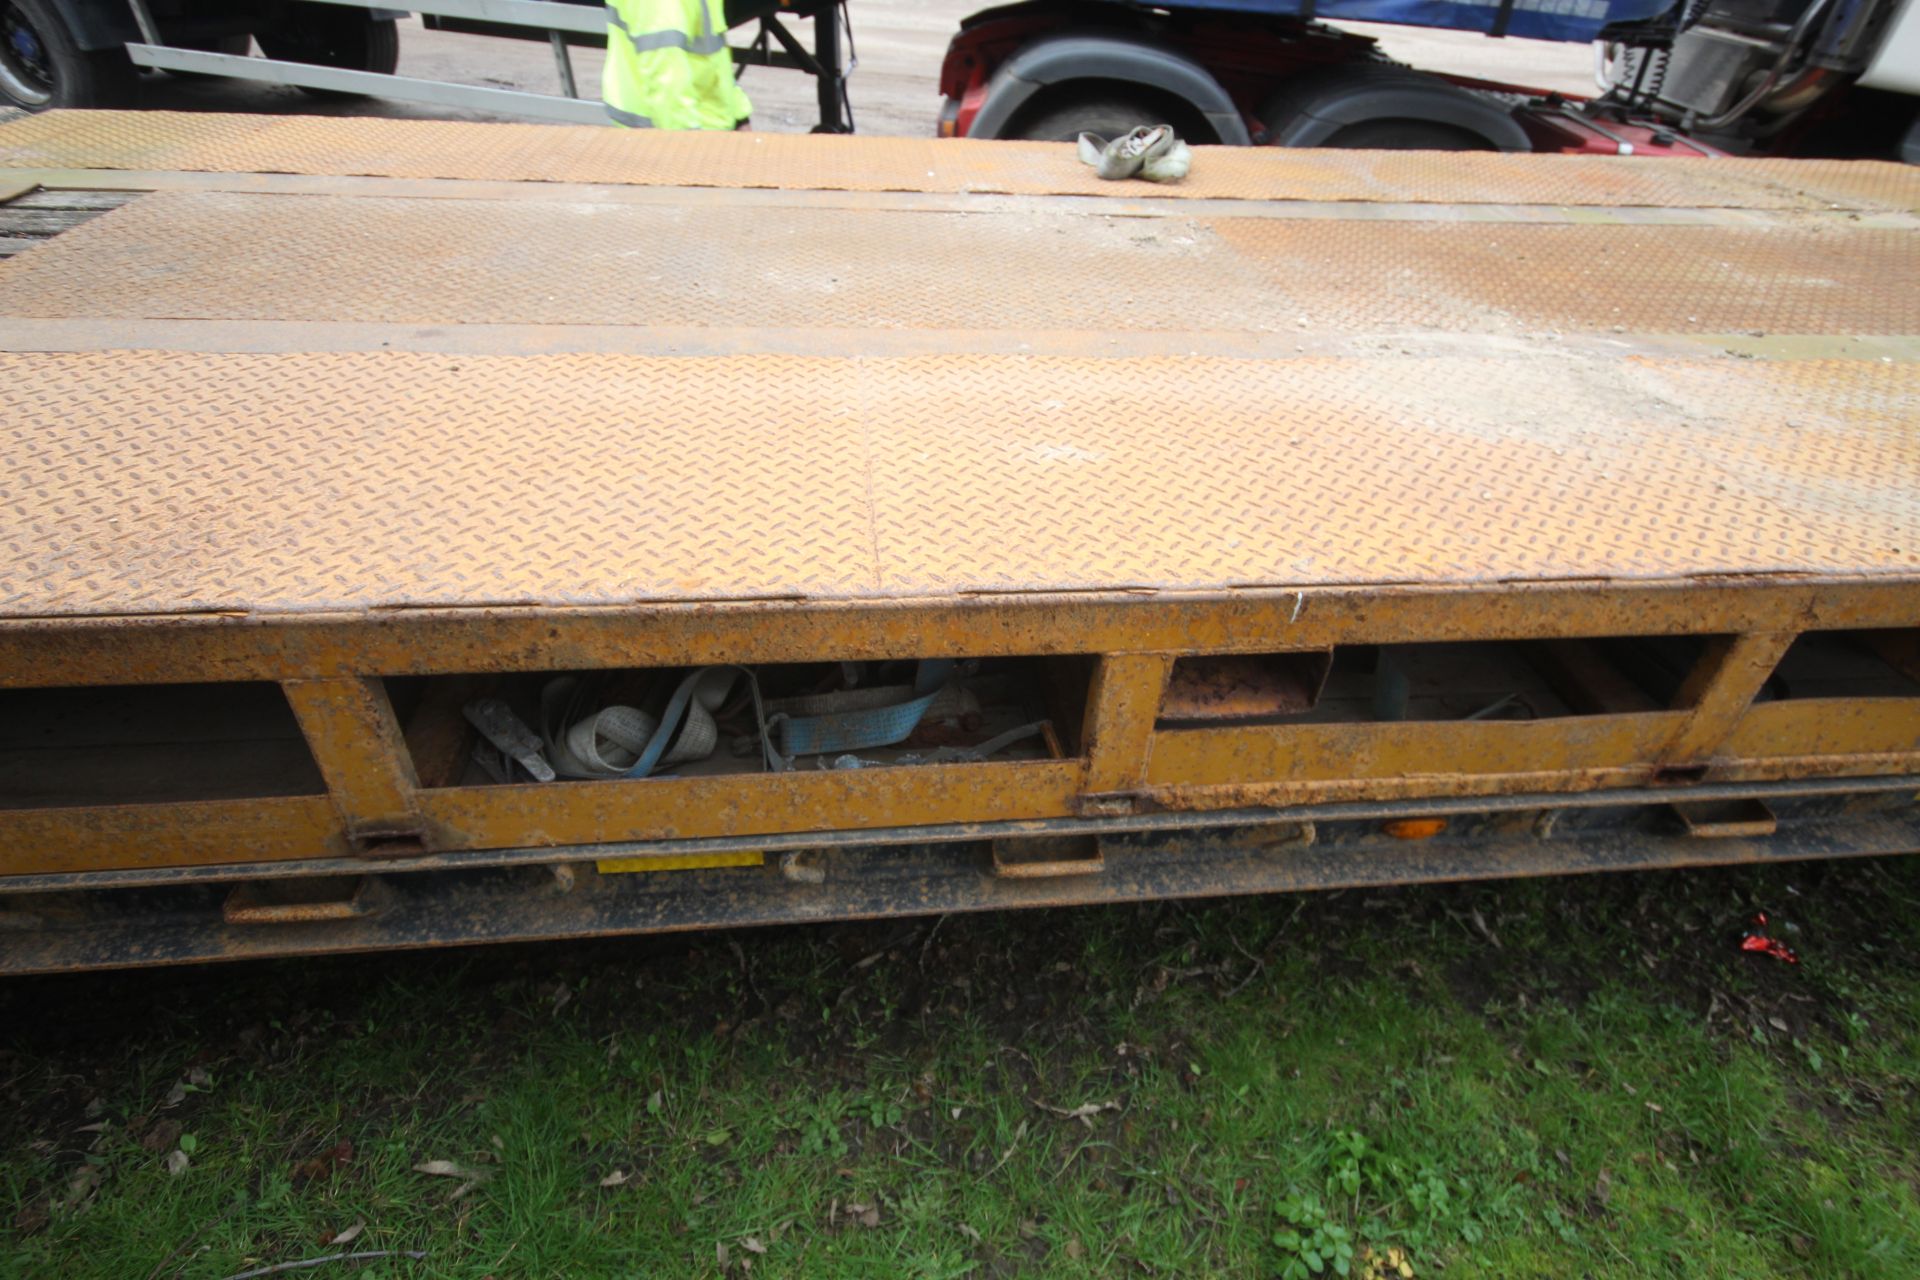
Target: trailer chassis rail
{"type": "Point", "coordinates": [563, 893]}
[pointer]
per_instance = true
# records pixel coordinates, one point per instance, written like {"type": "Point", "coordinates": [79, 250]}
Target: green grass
{"type": "Point", "coordinates": [1553, 1078]}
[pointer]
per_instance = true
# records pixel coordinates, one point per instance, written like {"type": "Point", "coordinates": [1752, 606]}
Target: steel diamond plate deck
{"type": "Point", "coordinates": [207, 142]}
{"type": "Point", "coordinates": [154, 482]}
{"type": "Point", "coordinates": [1491, 401]}
{"type": "Point", "coordinates": [222, 255]}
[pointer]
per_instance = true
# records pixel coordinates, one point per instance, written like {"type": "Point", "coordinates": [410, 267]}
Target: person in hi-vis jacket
{"type": "Point", "coordinates": [669, 67]}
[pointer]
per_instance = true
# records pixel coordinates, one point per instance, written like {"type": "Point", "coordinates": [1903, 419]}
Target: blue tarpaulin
{"type": "Point", "coordinates": [1572, 21]}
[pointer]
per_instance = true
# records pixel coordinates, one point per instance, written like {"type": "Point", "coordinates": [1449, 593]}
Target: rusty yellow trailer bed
{"type": "Point", "coordinates": [1330, 518]}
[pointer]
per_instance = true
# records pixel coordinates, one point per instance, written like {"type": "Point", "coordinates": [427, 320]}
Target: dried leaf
{"type": "Point", "coordinates": [177, 1162]}
{"type": "Point", "coordinates": [1075, 1250]}
{"type": "Point", "coordinates": [615, 1179]}
{"type": "Point", "coordinates": [1084, 1112]}
{"type": "Point", "coordinates": [1777, 1023]}
{"type": "Point", "coordinates": [351, 1234]}
{"type": "Point", "coordinates": [967, 1230]}
{"type": "Point", "coordinates": [448, 1169]}
{"type": "Point", "coordinates": [176, 1095]}
{"type": "Point", "coordinates": [867, 1215]}
{"type": "Point", "coordinates": [720, 1254]}
{"type": "Point", "coordinates": [81, 1186]}
{"type": "Point", "coordinates": [32, 1217]}
{"type": "Point", "coordinates": [752, 1245]}
{"type": "Point", "coordinates": [1480, 923]}
{"type": "Point", "coordinates": [161, 1137]}
{"type": "Point", "coordinates": [324, 1165]}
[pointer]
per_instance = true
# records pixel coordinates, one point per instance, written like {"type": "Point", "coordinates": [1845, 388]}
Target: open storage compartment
{"type": "Point", "coordinates": [1461, 681]}
{"type": "Point", "coordinates": [150, 744]}
{"type": "Point", "coordinates": [771, 751]}
{"type": "Point", "coordinates": [723, 721]}
{"type": "Point", "coordinates": [1373, 712]}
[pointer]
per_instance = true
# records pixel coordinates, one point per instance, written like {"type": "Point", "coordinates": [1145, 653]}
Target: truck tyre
{"type": "Point", "coordinates": [1389, 107]}
{"type": "Point", "coordinates": [325, 35]}
{"type": "Point", "coordinates": [41, 67]}
{"type": "Point", "coordinates": [1107, 116]}
{"type": "Point", "coordinates": [1407, 135]}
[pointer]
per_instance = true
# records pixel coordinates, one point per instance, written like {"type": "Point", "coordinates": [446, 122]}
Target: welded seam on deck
{"type": "Point", "coordinates": [198, 335]}
{"type": "Point", "coordinates": [1110, 206]}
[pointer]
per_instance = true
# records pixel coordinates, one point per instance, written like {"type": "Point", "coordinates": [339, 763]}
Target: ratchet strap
{"type": "Point", "coordinates": [626, 742]}
{"type": "Point", "coordinates": [856, 719]}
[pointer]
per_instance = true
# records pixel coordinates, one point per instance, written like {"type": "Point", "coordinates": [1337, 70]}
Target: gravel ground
{"type": "Point", "coordinates": [894, 90]}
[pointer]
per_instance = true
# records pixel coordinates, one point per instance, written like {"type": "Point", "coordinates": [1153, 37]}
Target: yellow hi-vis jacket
{"type": "Point", "coordinates": [668, 66]}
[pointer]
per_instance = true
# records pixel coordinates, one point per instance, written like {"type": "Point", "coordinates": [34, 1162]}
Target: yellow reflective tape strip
{"type": "Point", "coordinates": [685, 862]}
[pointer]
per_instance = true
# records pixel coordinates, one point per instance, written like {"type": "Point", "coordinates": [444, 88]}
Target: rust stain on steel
{"type": "Point", "coordinates": [1282, 794]}
{"type": "Point", "coordinates": [449, 149]}
{"type": "Point", "coordinates": [1462, 785]}
{"type": "Point", "coordinates": [1719, 688]}
{"type": "Point", "coordinates": [96, 651]}
{"type": "Point", "coordinates": [1245, 686]}
{"type": "Point", "coordinates": [1047, 857]}
{"type": "Point", "coordinates": [667, 808]}
{"type": "Point", "coordinates": [356, 741]}
{"type": "Point", "coordinates": [298, 901]}
{"type": "Point", "coordinates": [1432, 751]}
{"type": "Point", "coordinates": [1726, 819]}
{"type": "Point", "coordinates": [750, 804]}
{"type": "Point", "coordinates": [1825, 726]}
{"type": "Point", "coordinates": [169, 835]}
{"type": "Point", "coordinates": [328, 260]}
{"type": "Point", "coordinates": [1795, 768]}
{"type": "Point", "coordinates": [764, 478]}
{"type": "Point", "coordinates": [1122, 702]}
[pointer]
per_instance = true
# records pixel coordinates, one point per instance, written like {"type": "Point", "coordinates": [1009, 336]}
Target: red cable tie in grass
{"type": "Point", "coordinates": [1756, 940]}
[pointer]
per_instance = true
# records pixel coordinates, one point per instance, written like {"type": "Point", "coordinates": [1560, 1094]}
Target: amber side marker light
{"type": "Point", "coordinates": [1414, 828]}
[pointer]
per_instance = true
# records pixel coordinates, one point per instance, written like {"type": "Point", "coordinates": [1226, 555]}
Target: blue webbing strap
{"type": "Point", "coordinates": [676, 710]}
{"type": "Point", "coordinates": [856, 730]}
